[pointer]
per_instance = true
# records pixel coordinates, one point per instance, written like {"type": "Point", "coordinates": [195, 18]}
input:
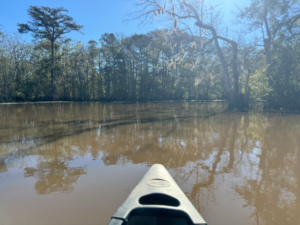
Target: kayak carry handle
{"type": "Point", "coordinates": [157, 199]}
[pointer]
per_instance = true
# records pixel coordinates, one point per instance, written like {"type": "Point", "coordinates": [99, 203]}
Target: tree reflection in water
{"type": "Point", "coordinates": [256, 155]}
{"type": "Point", "coordinates": [54, 176]}
{"type": "Point", "coordinates": [3, 166]}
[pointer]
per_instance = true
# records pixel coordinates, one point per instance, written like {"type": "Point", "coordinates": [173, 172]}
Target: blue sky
{"type": "Point", "coordinates": [97, 16]}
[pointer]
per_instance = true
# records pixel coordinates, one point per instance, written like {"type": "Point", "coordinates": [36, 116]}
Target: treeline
{"type": "Point", "coordinates": [166, 64]}
{"type": "Point", "coordinates": [153, 66]}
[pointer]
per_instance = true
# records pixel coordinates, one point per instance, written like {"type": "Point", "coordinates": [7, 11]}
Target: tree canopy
{"type": "Point", "coordinates": [49, 24]}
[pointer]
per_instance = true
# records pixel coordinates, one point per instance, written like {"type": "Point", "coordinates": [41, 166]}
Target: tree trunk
{"type": "Point", "coordinates": [4, 85]}
{"type": "Point", "coordinates": [52, 75]}
{"type": "Point", "coordinates": [99, 96]}
{"type": "Point", "coordinates": [197, 91]}
{"type": "Point", "coordinates": [73, 88]}
{"type": "Point", "coordinates": [268, 53]}
{"type": "Point", "coordinates": [234, 99]}
{"type": "Point", "coordinates": [141, 77]}
{"type": "Point", "coordinates": [101, 88]}
{"type": "Point", "coordinates": [114, 81]}
{"type": "Point", "coordinates": [221, 56]}
{"type": "Point", "coordinates": [87, 82]}
{"type": "Point", "coordinates": [99, 80]}
{"type": "Point", "coordinates": [236, 96]}
{"type": "Point", "coordinates": [130, 89]}
{"type": "Point", "coordinates": [235, 70]}
{"type": "Point", "coordinates": [207, 93]}
{"type": "Point", "coordinates": [247, 91]}
{"type": "Point", "coordinates": [108, 85]}
{"type": "Point", "coordinates": [93, 84]}
{"type": "Point", "coordinates": [80, 84]}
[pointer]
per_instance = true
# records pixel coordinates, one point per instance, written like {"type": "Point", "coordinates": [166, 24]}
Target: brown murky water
{"type": "Point", "coordinates": [75, 163]}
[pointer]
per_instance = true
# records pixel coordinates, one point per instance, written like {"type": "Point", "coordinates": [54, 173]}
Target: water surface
{"type": "Point", "coordinates": [75, 163]}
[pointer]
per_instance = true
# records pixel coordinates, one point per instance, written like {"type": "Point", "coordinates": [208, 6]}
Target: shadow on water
{"type": "Point", "coordinates": [254, 156]}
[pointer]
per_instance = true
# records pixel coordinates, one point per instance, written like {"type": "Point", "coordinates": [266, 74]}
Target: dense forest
{"type": "Point", "coordinates": [194, 59]}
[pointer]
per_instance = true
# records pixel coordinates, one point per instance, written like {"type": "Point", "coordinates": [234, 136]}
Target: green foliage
{"type": "Point", "coordinates": [119, 69]}
{"type": "Point", "coordinates": [48, 23]}
{"type": "Point", "coordinates": [258, 84]}
{"type": "Point", "coordinates": [185, 96]}
{"type": "Point", "coordinates": [276, 26]}
{"type": "Point", "coordinates": [285, 74]}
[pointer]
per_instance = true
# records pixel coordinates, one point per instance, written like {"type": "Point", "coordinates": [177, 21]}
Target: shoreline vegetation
{"type": "Point", "coordinates": [164, 64]}
{"type": "Point", "coordinates": [137, 101]}
{"type": "Point", "coordinates": [260, 108]}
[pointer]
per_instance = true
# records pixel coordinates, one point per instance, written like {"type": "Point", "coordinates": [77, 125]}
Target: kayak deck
{"type": "Point", "coordinates": [157, 199]}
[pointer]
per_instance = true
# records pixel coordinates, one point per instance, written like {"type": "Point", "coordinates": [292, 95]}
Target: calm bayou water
{"type": "Point", "coordinates": [75, 163]}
